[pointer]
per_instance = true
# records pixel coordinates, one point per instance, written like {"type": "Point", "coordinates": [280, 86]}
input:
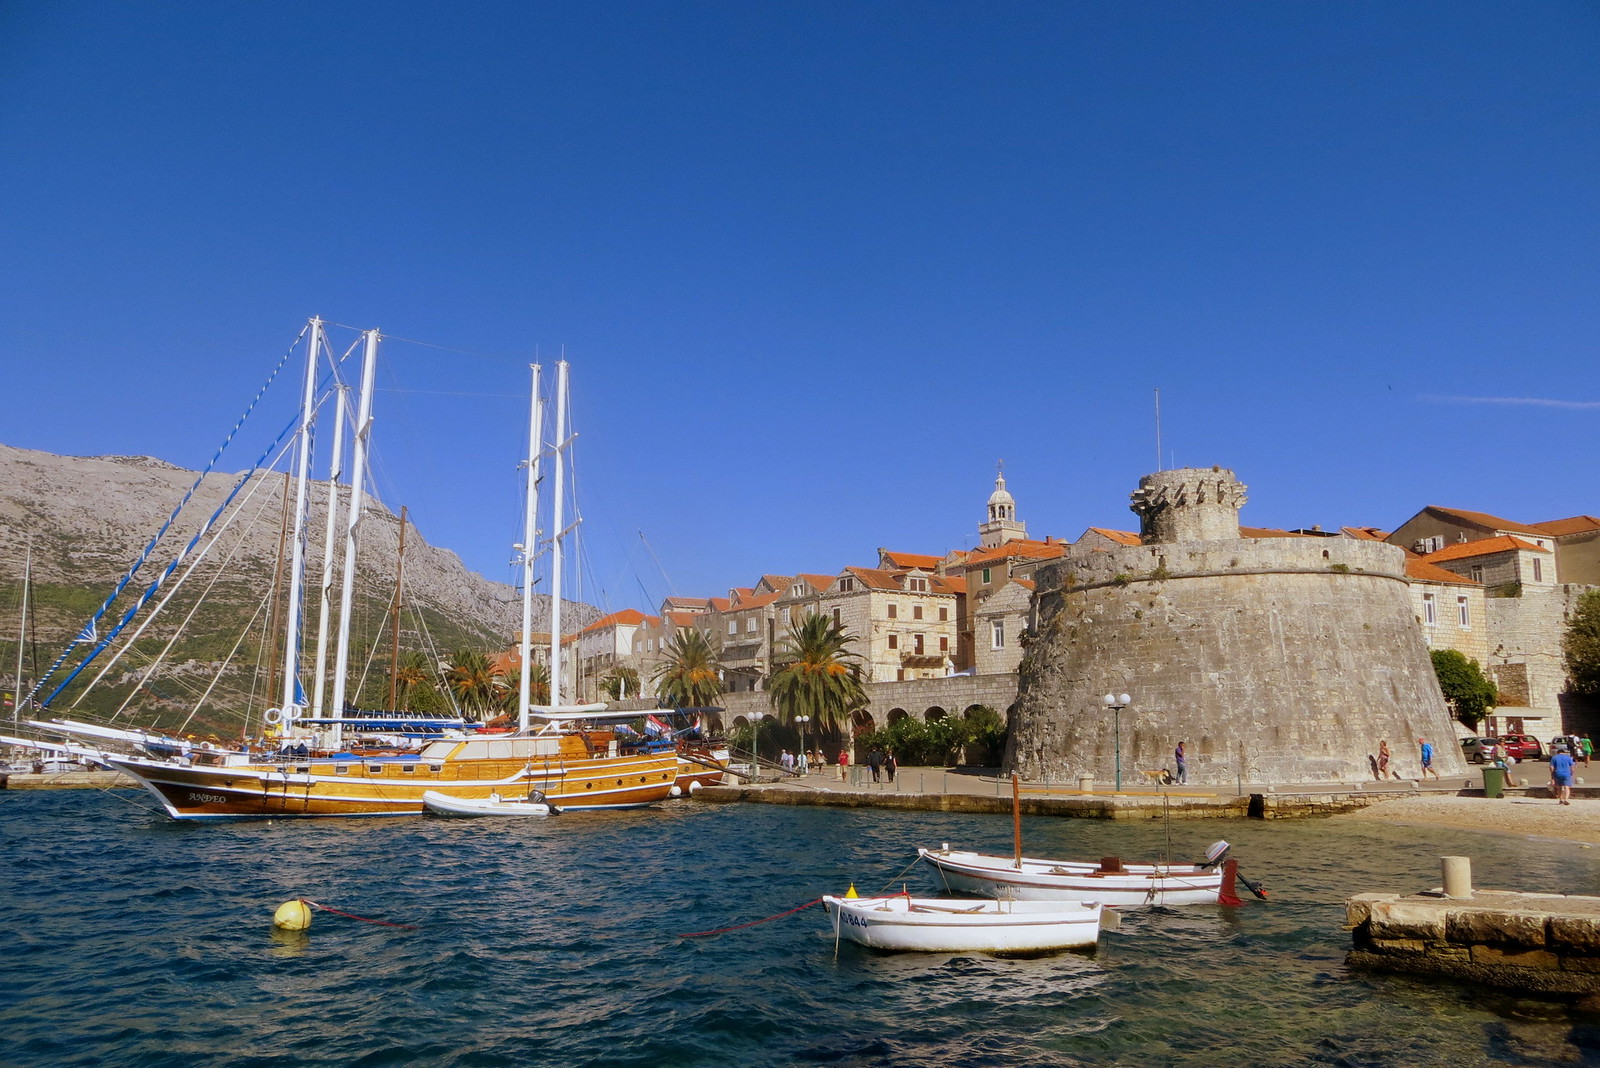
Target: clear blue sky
{"type": "Point", "coordinates": [818, 266]}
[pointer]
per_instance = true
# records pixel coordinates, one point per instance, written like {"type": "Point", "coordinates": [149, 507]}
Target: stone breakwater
{"type": "Point", "coordinates": [1545, 943]}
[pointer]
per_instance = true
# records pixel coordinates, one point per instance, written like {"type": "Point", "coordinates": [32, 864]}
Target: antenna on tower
{"type": "Point", "coordinates": [1158, 430]}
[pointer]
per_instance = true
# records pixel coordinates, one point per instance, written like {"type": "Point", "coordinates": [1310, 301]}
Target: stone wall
{"type": "Point", "coordinates": [1525, 659]}
{"type": "Point", "coordinates": [1281, 659]}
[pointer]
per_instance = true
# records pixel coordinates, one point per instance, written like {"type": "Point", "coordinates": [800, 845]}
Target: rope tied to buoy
{"type": "Point", "coordinates": [752, 923]}
{"type": "Point", "coordinates": [295, 915]}
{"type": "Point", "coordinates": [353, 916]}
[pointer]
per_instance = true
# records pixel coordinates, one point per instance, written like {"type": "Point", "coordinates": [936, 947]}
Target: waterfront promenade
{"type": "Point", "coordinates": [986, 790]}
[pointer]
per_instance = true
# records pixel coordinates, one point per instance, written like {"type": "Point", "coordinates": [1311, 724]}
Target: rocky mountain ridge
{"type": "Point", "coordinates": [88, 518]}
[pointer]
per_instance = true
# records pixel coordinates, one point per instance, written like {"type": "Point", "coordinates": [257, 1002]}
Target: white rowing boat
{"type": "Point", "coordinates": [955, 925]}
{"type": "Point", "coordinates": [493, 805]}
{"type": "Point", "coordinates": [1110, 882]}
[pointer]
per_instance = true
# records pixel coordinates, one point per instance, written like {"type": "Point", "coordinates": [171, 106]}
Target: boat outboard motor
{"type": "Point", "coordinates": [1216, 854]}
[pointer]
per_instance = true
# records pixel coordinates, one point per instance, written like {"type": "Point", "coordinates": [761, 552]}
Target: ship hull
{"type": "Point", "coordinates": [323, 788]}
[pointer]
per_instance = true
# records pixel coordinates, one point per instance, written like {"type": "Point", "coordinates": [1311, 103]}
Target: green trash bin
{"type": "Point", "coordinates": [1494, 781]}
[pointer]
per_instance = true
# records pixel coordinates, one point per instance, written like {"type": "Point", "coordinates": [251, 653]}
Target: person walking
{"type": "Point", "coordinates": [1561, 777]}
{"type": "Point", "coordinates": [1588, 749]}
{"type": "Point", "coordinates": [1426, 752]}
{"type": "Point", "coordinates": [844, 764]}
{"type": "Point", "coordinates": [875, 762]}
{"type": "Point", "coordinates": [1183, 768]}
{"type": "Point", "coordinates": [1384, 758]}
{"type": "Point", "coordinates": [889, 764]}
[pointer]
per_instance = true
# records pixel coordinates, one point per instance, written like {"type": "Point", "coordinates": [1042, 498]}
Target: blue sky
{"type": "Point", "coordinates": [818, 266]}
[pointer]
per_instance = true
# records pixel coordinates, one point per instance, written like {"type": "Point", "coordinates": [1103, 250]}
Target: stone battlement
{"type": "Point", "coordinates": [1079, 570]}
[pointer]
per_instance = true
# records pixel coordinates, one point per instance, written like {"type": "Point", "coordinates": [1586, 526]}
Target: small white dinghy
{"type": "Point", "coordinates": [493, 805]}
{"type": "Point", "coordinates": [958, 925]}
{"type": "Point", "coordinates": [1110, 882]}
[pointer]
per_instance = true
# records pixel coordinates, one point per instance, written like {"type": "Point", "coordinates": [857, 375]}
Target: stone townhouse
{"type": "Point", "coordinates": [746, 631]}
{"type": "Point", "coordinates": [1449, 607]}
{"type": "Point", "coordinates": [996, 584]}
{"type": "Point", "coordinates": [904, 622]}
{"type": "Point", "coordinates": [606, 645]}
{"type": "Point", "coordinates": [1532, 574]}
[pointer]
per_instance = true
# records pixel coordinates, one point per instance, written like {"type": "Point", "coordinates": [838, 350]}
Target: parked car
{"type": "Point", "coordinates": [1523, 746]}
{"type": "Point", "coordinates": [1479, 750]}
{"type": "Point", "coordinates": [1559, 744]}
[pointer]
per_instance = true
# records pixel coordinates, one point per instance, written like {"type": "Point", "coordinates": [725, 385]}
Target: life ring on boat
{"type": "Point", "coordinates": [273, 716]}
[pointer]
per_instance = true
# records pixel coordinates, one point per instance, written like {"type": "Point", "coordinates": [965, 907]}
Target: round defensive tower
{"type": "Point", "coordinates": [1275, 659]}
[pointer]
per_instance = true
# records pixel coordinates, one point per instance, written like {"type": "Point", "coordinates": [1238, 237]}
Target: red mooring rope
{"type": "Point", "coordinates": [353, 916]}
{"type": "Point", "coordinates": [752, 923]}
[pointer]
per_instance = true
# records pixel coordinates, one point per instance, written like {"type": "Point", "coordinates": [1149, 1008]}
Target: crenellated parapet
{"type": "Point", "coordinates": [1188, 504]}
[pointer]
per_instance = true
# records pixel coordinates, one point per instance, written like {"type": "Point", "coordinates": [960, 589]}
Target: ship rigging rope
{"type": "Point", "coordinates": [87, 634]}
{"type": "Point", "coordinates": [752, 923]}
{"type": "Point", "coordinates": [189, 571]}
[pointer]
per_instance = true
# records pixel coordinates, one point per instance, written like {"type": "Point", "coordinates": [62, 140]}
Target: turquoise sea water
{"type": "Point", "coordinates": [133, 940]}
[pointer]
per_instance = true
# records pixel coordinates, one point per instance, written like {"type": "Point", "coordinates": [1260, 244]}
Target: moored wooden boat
{"type": "Point", "coordinates": [564, 766]}
{"type": "Point", "coordinates": [1110, 882]}
{"type": "Point", "coordinates": [958, 925]}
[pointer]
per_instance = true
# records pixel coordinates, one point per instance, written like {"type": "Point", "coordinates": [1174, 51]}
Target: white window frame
{"type": "Point", "coordinates": [1430, 612]}
{"type": "Point", "coordinates": [997, 634]}
{"type": "Point", "coordinates": [1463, 613]}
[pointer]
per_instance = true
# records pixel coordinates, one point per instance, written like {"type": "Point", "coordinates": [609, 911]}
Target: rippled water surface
{"type": "Point", "coordinates": [133, 940]}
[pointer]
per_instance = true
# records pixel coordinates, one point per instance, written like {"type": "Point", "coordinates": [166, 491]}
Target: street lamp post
{"type": "Point", "coordinates": [755, 745]}
{"type": "Point", "coordinates": [1116, 703]}
{"type": "Point", "coordinates": [803, 720]}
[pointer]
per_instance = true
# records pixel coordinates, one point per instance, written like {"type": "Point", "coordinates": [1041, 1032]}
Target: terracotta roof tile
{"type": "Point", "coordinates": [623, 618]}
{"type": "Point", "coordinates": [1484, 547]}
{"type": "Point", "coordinates": [1023, 548]}
{"type": "Point", "coordinates": [1419, 569]}
{"type": "Point", "coordinates": [1270, 532]}
{"type": "Point", "coordinates": [1125, 537]}
{"type": "Point", "coordinates": [1578, 524]}
{"type": "Point", "coordinates": [1365, 533]}
{"type": "Point", "coordinates": [920, 561]}
{"type": "Point", "coordinates": [1482, 519]}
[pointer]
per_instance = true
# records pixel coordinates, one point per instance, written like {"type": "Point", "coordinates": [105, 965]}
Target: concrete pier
{"type": "Point", "coordinates": [1537, 943]}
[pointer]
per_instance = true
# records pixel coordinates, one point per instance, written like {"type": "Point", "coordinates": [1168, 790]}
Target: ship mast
{"type": "Point", "coordinates": [559, 534]}
{"type": "Point", "coordinates": [358, 464]}
{"type": "Point", "coordinates": [529, 534]}
{"type": "Point", "coordinates": [291, 640]}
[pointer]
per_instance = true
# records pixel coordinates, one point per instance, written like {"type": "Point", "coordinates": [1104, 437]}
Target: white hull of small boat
{"type": "Point", "coordinates": [956, 925]}
{"type": "Point", "coordinates": [1061, 880]}
{"type": "Point", "coordinates": [494, 805]}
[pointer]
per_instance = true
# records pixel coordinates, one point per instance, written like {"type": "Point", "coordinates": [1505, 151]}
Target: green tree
{"type": "Point", "coordinates": [689, 677]}
{"type": "Point", "coordinates": [410, 675]}
{"type": "Point", "coordinates": [1581, 644]}
{"type": "Point", "coordinates": [987, 744]}
{"type": "Point", "coordinates": [816, 674]}
{"type": "Point", "coordinates": [620, 683]}
{"type": "Point", "coordinates": [1468, 693]}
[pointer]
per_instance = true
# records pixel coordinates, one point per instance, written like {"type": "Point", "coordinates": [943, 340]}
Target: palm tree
{"type": "Point", "coordinates": [411, 673]}
{"type": "Point", "coordinates": [474, 684]}
{"type": "Point", "coordinates": [620, 682]}
{"type": "Point", "coordinates": [690, 676]}
{"type": "Point", "coordinates": [816, 675]}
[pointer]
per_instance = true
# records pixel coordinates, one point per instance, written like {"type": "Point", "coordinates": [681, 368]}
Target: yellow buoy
{"type": "Point", "coordinates": [852, 891]}
{"type": "Point", "coordinates": [292, 916]}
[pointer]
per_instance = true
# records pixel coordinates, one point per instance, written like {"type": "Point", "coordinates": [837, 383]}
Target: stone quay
{"type": "Point", "coordinates": [1545, 944]}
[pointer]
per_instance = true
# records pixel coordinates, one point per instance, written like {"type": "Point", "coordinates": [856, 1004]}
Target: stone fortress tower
{"type": "Point", "coordinates": [1282, 659]}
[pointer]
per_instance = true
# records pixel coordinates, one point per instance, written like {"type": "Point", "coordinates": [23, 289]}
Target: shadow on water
{"type": "Point", "coordinates": [140, 941]}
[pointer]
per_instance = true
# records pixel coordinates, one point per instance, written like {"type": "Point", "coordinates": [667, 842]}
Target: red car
{"type": "Point", "coordinates": [1522, 746]}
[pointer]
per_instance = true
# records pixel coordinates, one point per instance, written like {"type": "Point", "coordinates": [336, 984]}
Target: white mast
{"type": "Point", "coordinates": [22, 636]}
{"type": "Point", "coordinates": [358, 465]}
{"type": "Point", "coordinates": [325, 615]}
{"type": "Point", "coordinates": [555, 542]}
{"type": "Point", "coordinates": [529, 534]}
{"type": "Point", "coordinates": [291, 641]}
